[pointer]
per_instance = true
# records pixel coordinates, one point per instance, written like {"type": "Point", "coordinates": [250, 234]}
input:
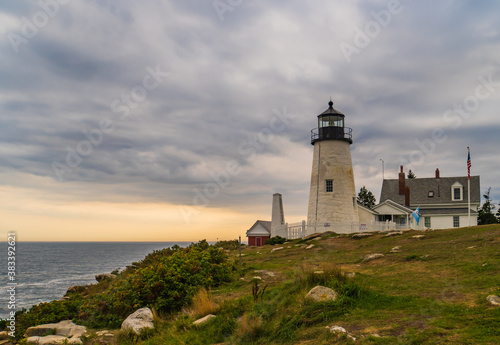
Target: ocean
{"type": "Point", "coordinates": [45, 270]}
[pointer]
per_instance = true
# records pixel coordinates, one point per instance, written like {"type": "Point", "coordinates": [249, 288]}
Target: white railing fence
{"type": "Point", "coordinates": [302, 229]}
{"type": "Point", "coordinates": [296, 230]}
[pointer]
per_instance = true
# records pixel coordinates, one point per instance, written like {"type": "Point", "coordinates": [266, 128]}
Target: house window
{"type": "Point", "coordinates": [427, 221]}
{"type": "Point", "coordinates": [431, 194]}
{"type": "Point", "coordinates": [457, 192]}
{"type": "Point", "coordinates": [456, 221]}
{"type": "Point", "coordinates": [329, 186]}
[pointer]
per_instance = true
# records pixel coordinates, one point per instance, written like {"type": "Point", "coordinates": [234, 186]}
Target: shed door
{"type": "Point", "coordinates": [258, 241]}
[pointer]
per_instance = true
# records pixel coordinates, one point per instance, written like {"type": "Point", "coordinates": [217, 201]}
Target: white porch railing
{"type": "Point", "coordinates": [295, 230]}
{"type": "Point", "coordinates": [302, 229]}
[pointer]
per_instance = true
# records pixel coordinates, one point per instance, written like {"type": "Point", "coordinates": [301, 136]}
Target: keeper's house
{"type": "Point", "coordinates": [443, 201]}
{"type": "Point", "coordinates": [259, 233]}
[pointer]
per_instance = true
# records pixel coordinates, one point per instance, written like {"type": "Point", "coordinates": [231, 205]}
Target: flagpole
{"type": "Point", "coordinates": [468, 181]}
{"type": "Point", "coordinates": [468, 187]}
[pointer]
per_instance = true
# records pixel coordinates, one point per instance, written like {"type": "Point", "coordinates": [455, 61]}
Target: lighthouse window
{"type": "Point", "coordinates": [331, 121]}
{"type": "Point", "coordinates": [338, 121]}
{"type": "Point", "coordinates": [329, 186]}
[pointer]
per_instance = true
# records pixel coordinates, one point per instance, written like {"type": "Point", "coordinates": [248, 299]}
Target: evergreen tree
{"type": "Point", "coordinates": [485, 212]}
{"type": "Point", "coordinates": [411, 174]}
{"type": "Point", "coordinates": [366, 198]}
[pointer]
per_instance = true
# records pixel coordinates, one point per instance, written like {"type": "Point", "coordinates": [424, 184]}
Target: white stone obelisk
{"type": "Point", "coordinates": [278, 226]}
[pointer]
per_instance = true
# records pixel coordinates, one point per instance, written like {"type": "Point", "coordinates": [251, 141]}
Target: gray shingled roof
{"type": "Point", "coordinates": [420, 188]}
{"type": "Point", "coordinates": [394, 204]}
{"type": "Point", "coordinates": [266, 224]}
{"type": "Point", "coordinates": [448, 211]}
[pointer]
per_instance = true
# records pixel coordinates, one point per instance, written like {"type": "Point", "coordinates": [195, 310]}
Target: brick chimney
{"type": "Point", "coordinates": [407, 196]}
{"type": "Point", "coordinates": [402, 182]}
{"type": "Point", "coordinates": [437, 173]}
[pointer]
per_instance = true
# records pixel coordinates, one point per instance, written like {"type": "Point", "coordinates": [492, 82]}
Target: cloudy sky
{"type": "Point", "coordinates": [178, 120]}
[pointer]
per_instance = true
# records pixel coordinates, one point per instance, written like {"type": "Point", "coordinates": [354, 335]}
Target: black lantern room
{"type": "Point", "coordinates": [331, 126]}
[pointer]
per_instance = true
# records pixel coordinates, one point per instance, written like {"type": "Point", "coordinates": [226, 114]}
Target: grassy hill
{"type": "Point", "coordinates": [432, 290]}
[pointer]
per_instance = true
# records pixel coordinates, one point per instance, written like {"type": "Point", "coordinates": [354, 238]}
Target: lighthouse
{"type": "Point", "coordinates": [332, 197]}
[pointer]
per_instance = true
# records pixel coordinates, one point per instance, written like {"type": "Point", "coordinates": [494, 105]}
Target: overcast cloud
{"type": "Point", "coordinates": [180, 89]}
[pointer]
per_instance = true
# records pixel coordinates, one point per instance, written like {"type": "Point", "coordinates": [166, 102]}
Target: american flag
{"type": "Point", "coordinates": [468, 163]}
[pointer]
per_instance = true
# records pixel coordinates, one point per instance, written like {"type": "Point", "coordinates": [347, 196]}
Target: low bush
{"type": "Point", "coordinates": [166, 280]}
{"type": "Point", "coordinates": [276, 240]}
{"type": "Point", "coordinates": [228, 245]}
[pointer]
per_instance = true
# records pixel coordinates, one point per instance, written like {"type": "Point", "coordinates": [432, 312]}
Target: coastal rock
{"type": "Point", "coordinates": [266, 272]}
{"type": "Point", "coordinates": [310, 246]}
{"type": "Point", "coordinates": [138, 321]}
{"type": "Point", "coordinates": [64, 328]}
{"type": "Point", "coordinates": [64, 331]}
{"type": "Point", "coordinates": [418, 237]}
{"type": "Point", "coordinates": [362, 235]}
{"type": "Point", "coordinates": [396, 249]}
{"type": "Point", "coordinates": [53, 340]}
{"type": "Point", "coordinates": [204, 319]}
{"type": "Point", "coordinates": [105, 276]}
{"type": "Point", "coordinates": [105, 333]}
{"type": "Point", "coordinates": [494, 300]}
{"type": "Point", "coordinates": [76, 289]}
{"type": "Point", "coordinates": [312, 236]}
{"type": "Point", "coordinates": [371, 257]}
{"type": "Point", "coordinates": [321, 294]}
{"type": "Point", "coordinates": [276, 249]}
{"type": "Point", "coordinates": [340, 330]}
{"type": "Point", "coordinates": [393, 233]}
{"type": "Point", "coordinates": [350, 274]}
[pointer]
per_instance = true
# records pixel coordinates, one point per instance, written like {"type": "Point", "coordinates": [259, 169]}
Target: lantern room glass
{"type": "Point", "coordinates": [330, 121]}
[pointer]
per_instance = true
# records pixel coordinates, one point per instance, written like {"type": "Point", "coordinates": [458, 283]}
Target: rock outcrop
{"type": "Point", "coordinates": [64, 332]}
{"type": "Point", "coordinates": [362, 235]}
{"type": "Point", "coordinates": [266, 272]}
{"type": "Point", "coordinates": [340, 330]}
{"type": "Point", "coordinates": [76, 289]}
{"type": "Point", "coordinates": [393, 233]}
{"type": "Point", "coordinates": [321, 294]}
{"type": "Point", "coordinates": [396, 249]}
{"type": "Point", "coordinates": [139, 321]}
{"type": "Point", "coordinates": [494, 300]}
{"type": "Point", "coordinates": [105, 276]}
{"type": "Point", "coordinates": [371, 257]}
{"type": "Point", "coordinates": [204, 319]}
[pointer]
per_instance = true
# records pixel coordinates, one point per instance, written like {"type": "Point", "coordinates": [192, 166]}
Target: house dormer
{"type": "Point", "coordinates": [457, 192]}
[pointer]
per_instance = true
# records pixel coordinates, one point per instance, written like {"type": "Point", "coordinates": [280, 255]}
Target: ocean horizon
{"type": "Point", "coordinates": [45, 270]}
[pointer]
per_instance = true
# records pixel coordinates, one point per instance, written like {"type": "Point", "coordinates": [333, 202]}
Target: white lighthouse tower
{"type": "Point", "coordinates": [332, 197]}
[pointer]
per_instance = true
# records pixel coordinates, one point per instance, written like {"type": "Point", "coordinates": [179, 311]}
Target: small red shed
{"type": "Point", "coordinates": [259, 233]}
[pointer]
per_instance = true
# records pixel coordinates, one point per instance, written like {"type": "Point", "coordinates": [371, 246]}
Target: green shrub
{"type": "Point", "coordinates": [276, 240]}
{"type": "Point", "coordinates": [228, 245]}
{"type": "Point", "coordinates": [166, 280]}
